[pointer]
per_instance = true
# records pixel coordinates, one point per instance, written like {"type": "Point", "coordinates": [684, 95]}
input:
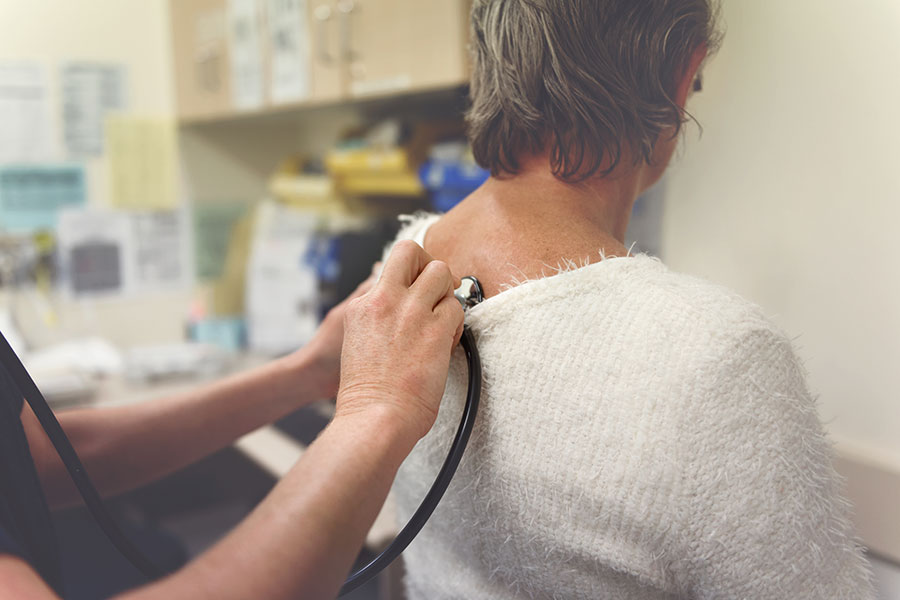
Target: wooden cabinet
{"type": "Point", "coordinates": [201, 57]}
{"type": "Point", "coordinates": [399, 45]}
{"type": "Point", "coordinates": [356, 48]}
{"type": "Point", "coordinates": [328, 70]}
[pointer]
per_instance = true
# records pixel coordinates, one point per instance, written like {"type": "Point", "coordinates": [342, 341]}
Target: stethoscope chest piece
{"type": "Point", "coordinates": [469, 293]}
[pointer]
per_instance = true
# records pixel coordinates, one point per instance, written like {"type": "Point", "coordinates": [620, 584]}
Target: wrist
{"type": "Point", "coordinates": [303, 377]}
{"type": "Point", "coordinates": [390, 424]}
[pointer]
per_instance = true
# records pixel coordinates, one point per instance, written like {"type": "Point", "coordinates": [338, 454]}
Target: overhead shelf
{"type": "Point", "coordinates": [443, 99]}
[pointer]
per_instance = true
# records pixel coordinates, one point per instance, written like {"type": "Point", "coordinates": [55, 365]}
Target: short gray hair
{"type": "Point", "coordinates": [592, 79]}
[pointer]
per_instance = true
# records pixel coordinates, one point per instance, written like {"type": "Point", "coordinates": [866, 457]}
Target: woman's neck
{"type": "Point", "coordinates": [513, 228]}
{"type": "Point", "coordinates": [600, 204]}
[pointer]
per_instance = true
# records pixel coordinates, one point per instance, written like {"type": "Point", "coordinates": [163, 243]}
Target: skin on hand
{"type": "Point", "coordinates": [398, 338]}
{"type": "Point", "coordinates": [325, 346]}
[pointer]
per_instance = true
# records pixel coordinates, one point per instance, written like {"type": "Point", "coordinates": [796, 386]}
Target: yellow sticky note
{"type": "Point", "coordinates": [141, 153]}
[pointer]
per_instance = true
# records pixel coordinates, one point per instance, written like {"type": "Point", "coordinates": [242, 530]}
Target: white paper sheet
{"type": "Point", "coordinates": [90, 91]}
{"type": "Point", "coordinates": [160, 251]}
{"type": "Point", "coordinates": [246, 53]}
{"type": "Point", "coordinates": [282, 296]}
{"type": "Point", "coordinates": [289, 43]}
{"type": "Point", "coordinates": [27, 133]}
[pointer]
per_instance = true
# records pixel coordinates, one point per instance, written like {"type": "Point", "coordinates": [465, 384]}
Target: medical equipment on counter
{"type": "Point", "coordinates": [468, 294]}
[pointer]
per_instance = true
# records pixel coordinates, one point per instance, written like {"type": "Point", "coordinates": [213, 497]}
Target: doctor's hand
{"type": "Point", "coordinates": [397, 342]}
{"type": "Point", "coordinates": [325, 346]}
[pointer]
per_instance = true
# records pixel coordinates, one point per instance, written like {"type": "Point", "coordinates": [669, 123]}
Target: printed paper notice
{"type": "Point", "coordinates": [90, 91]}
{"type": "Point", "coordinates": [26, 130]}
{"type": "Point", "coordinates": [141, 156]}
{"type": "Point", "coordinates": [160, 254]}
{"type": "Point", "coordinates": [289, 42]}
{"type": "Point", "coordinates": [31, 196]}
{"type": "Point", "coordinates": [246, 54]}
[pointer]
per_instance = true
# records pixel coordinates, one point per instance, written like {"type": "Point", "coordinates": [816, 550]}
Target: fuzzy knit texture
{"type": "Point", "coordinates": [642, 435]}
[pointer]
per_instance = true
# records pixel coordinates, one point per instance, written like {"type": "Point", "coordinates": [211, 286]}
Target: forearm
{"type": "Point", "coordinates": [124, 447]}
{"type": "Point", "coordinates": [302, 539]}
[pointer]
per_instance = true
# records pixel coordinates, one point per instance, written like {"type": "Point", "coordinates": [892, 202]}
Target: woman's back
{"type": "Point", "coordinates": [642, 435]}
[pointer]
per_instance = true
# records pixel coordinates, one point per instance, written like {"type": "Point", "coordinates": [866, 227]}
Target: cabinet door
{"type": "Point", "coordinates": [328, 68]}
{"type": "Point", "coordinates": [201, 57]}
{"type": "Point", "coordinates": [397, 45]}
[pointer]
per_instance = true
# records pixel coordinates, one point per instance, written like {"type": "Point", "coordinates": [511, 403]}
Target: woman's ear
{"type": "Point", "coordinates": [687, 82]}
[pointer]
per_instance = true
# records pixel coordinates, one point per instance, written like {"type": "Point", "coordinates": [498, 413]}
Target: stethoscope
{"type": "Point", "coordinates": [469, 294]}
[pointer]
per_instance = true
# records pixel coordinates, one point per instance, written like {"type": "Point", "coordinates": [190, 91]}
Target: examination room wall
{"type": "Point", "coordinates": [136, 35]}
{"type": "Point", "coordinates": [791, 196]}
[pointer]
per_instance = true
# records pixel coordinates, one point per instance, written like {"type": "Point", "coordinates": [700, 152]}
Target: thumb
{"type": "Point", "coordinates": [458, 335]}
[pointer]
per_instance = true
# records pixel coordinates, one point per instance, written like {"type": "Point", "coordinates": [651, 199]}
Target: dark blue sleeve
{"type": "Point", "coordinates": [8, 545]}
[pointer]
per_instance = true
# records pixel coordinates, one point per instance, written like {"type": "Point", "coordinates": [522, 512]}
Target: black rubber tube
{"type": "Point", "coordinates": [445, 475]}
{"type": "Point", "coordinates": [73, 464]}
{"type": "Point", "coordinates": [143, 564]}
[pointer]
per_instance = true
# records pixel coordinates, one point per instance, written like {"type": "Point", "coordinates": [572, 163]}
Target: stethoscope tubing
{"type": "Point", "coordinates": [73, 464]}
{"type": "Point", "coordinates": [142, 563]}
{"type": "Point", "coordinates": [444, 476]}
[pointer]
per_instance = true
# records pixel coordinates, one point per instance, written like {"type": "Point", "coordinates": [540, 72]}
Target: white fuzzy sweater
{"type": "Point", "coordinates": [642, 434]}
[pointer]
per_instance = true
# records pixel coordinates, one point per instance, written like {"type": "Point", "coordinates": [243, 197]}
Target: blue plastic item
{"type": "Point", "coordinates": [229, 333]}
{"type": "Point", "coordinates": [450, 182]}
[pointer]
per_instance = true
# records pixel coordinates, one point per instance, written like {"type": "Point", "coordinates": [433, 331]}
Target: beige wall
{"type": "Point", "coordinates": [792, 196]}
{"type": "Point", "coordinates": [133, 33]}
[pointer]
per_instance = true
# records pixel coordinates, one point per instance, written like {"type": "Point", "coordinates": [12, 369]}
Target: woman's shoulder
{"type": "Point", "coordinates": [413, 227]}
{"type": "Point", "coordinates": [642, 287]}
{"type": "Point", "coordinates": [703, 303]}
{"type": "Point", "coordinates": [724, 330]}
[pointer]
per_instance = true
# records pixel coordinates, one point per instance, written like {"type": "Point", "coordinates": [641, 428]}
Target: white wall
{"type": "Point", "coordinates": [792, 195]}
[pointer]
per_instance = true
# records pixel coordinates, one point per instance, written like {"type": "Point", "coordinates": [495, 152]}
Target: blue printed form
{"type": "Point", "coordinates": [31, 196]}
